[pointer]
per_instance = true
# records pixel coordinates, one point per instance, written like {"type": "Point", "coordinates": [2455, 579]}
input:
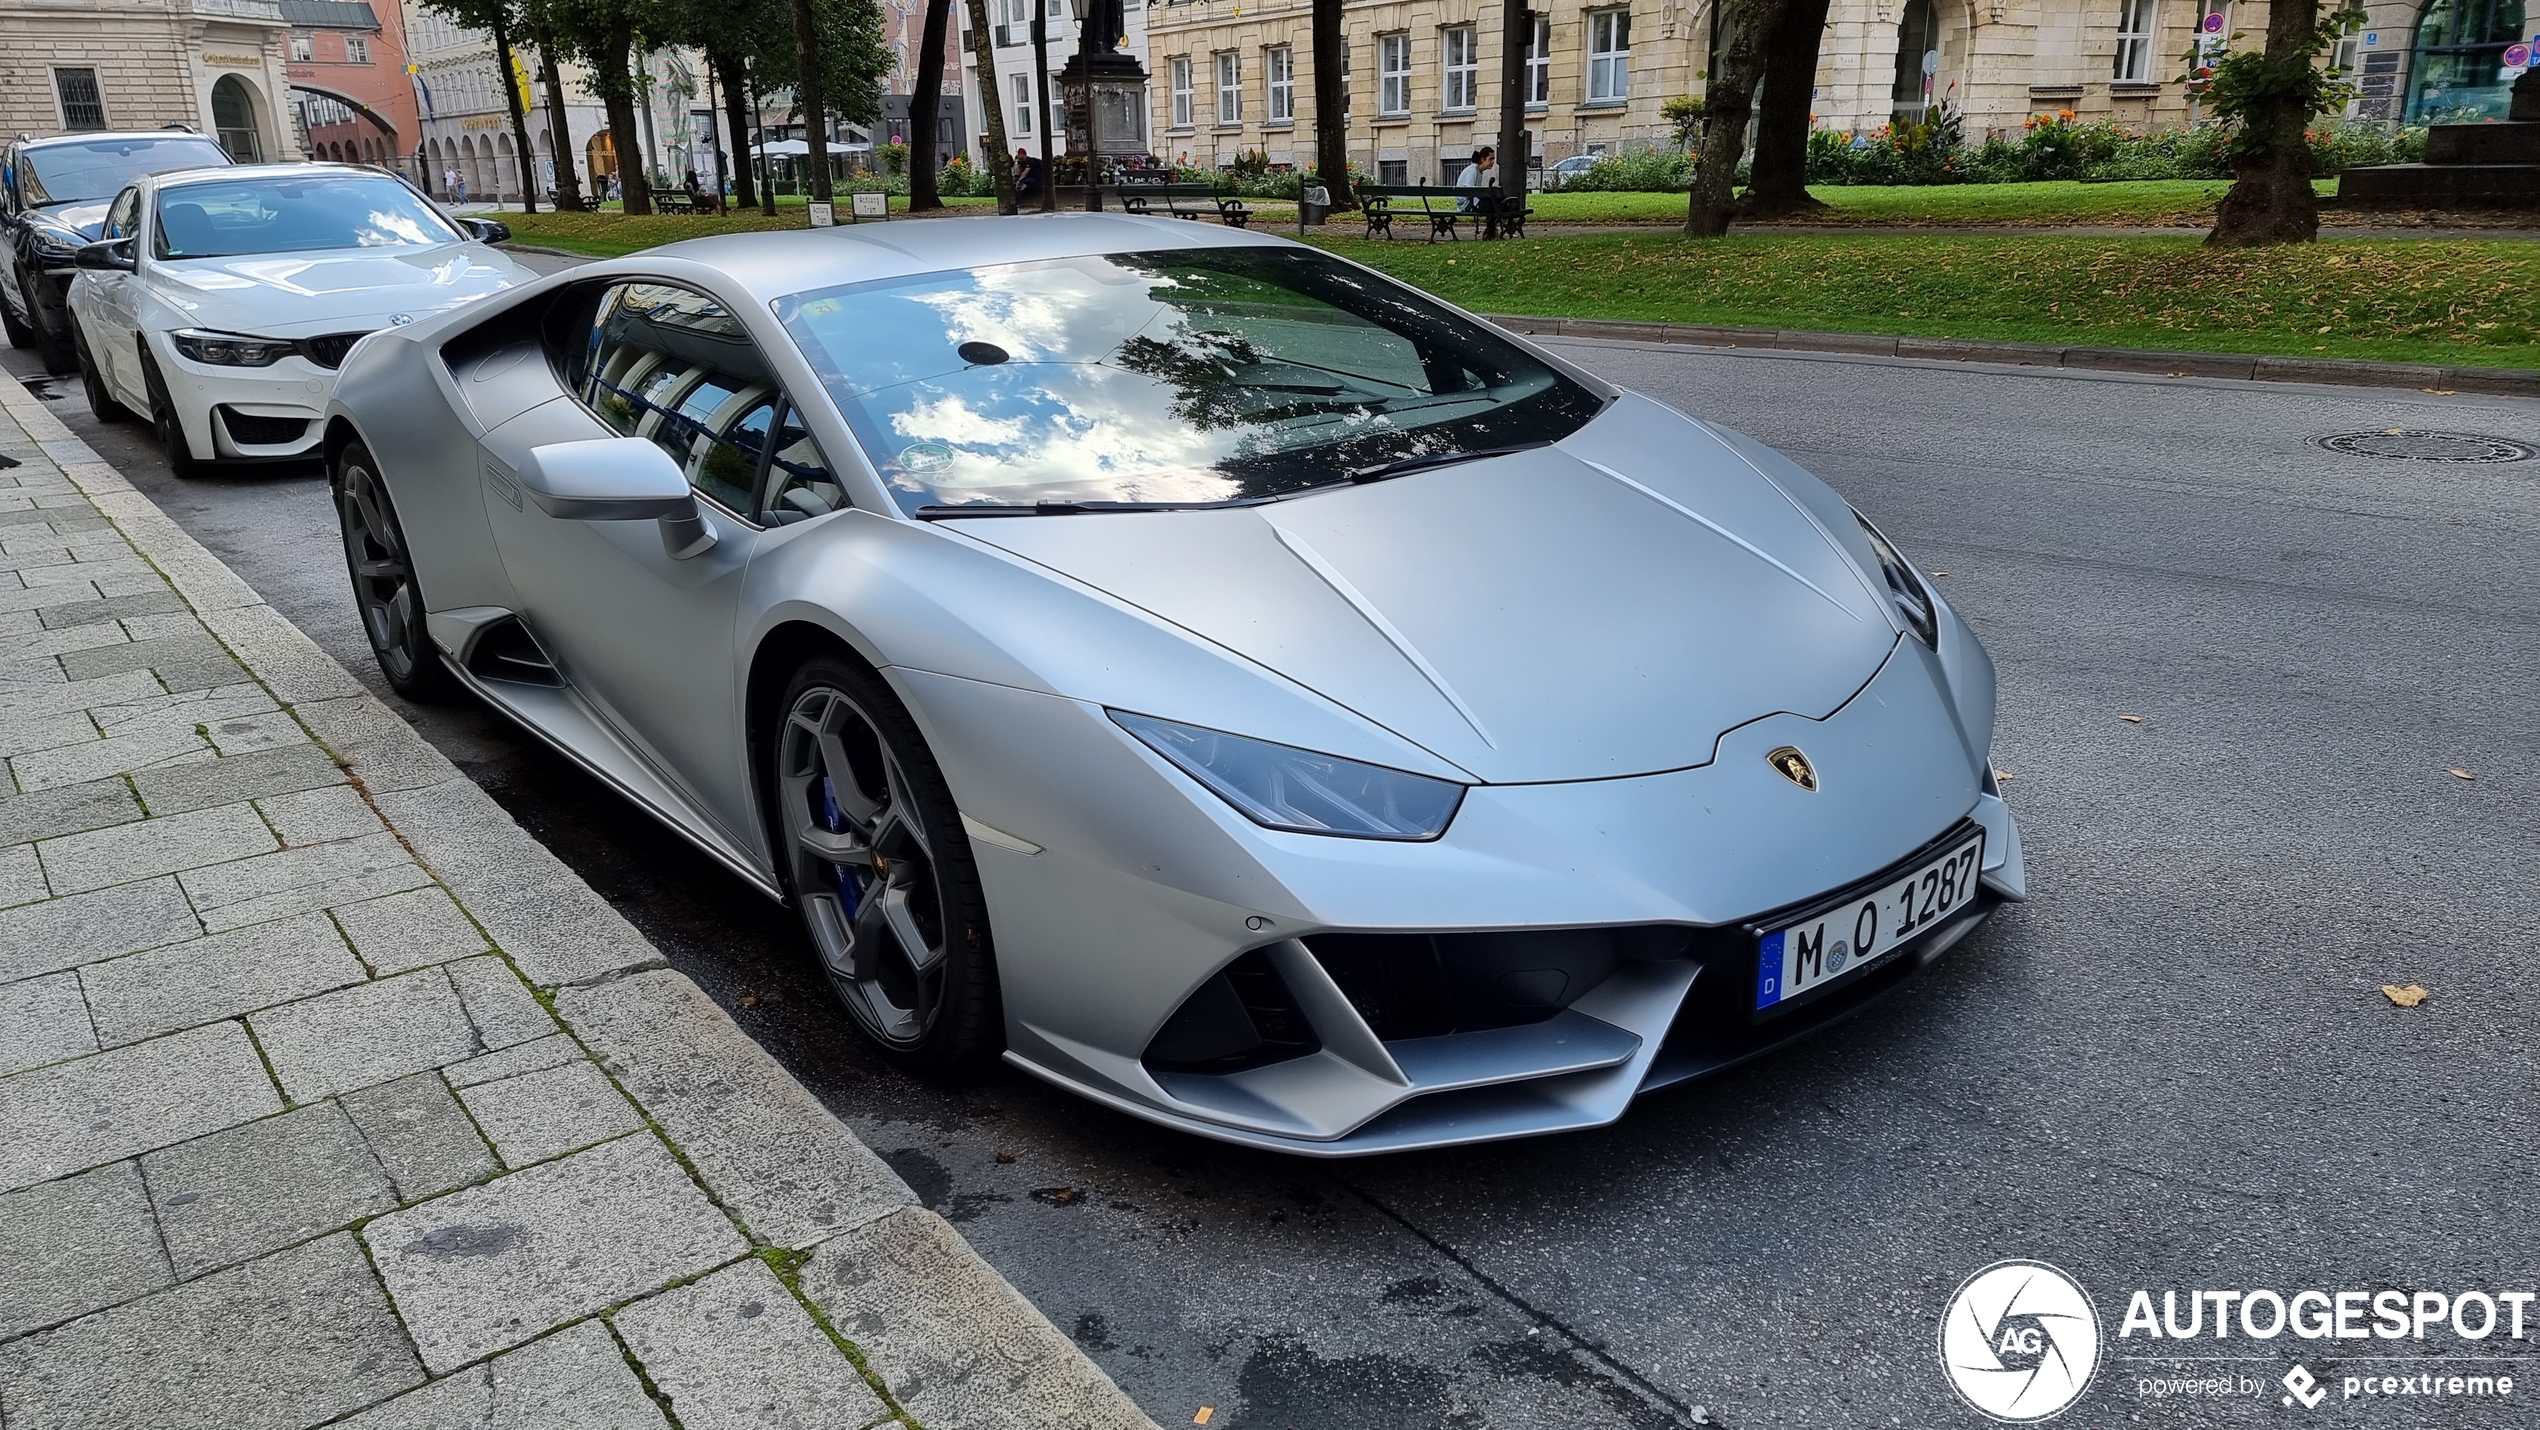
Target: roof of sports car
{"type": "Point", "coordinates": [775, 264]}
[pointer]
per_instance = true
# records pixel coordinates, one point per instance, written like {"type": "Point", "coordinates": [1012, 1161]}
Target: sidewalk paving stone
{"type": "Point", "coordinates": [576, 1379]}
{"type": "Point", "coordinates": [174, 789]}
{"type": "Point", "coordinates": [489, 1267]}
{"type": "Point", "coordinates": [71, 1116]}
{"type": "Point", "coordinates": [77, 1244]}
{"type": "Point", "coordinates": [736, 1351]}
{"type": "Point", "coordinates": [367, 1033]}
{"type": "Point", "coordinates": [99, 759]}
{"type": "Point", "coordinates": [43, 1020]}
{"type": "Point", "coordinates": [420, 1134]}
{"type": "Point", "coordinates": [221, 976]}
{"type": "Point", "coordinates": [70, 809]}
{"type": "Point", "coordinates": [319, 816]}
{"type": "Point", "coordinates": [286, 1342]}
{"type": "Point", "coordinates": [21, 876]}
{"type": "Point", "coordinates": [499, 1006]}
{"type": "Point", "coordinates": [409, 930]}
{"type": "Point", "coordinates": [539, 1115]}
{"type": "Point", "coordinates": [64, 933]}
{"type": "Point", "coordinates": [238, 1194]}
{"type": "Point", "coordinates": [315, 876]}
{"type": "Point", "coordinates": [76, 863]}
{"type": "Point", "coordinates": [534, 1056]}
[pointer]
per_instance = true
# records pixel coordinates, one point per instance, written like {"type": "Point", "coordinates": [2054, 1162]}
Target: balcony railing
{"type": "Point", "coordinates": [267, 11]}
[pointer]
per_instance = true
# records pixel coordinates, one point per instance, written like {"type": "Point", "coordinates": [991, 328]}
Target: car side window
{"type": "Point", "coordinates": [124, 219]}
{"type": "Point", "coordinates": [673, 366]}
{"type": "Point", "coordinates": [799, 485]}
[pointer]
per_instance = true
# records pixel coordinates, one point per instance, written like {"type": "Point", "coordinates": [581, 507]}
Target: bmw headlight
{"type": "Point", "coordinates": [231, 349]}
{"type": "Point", "coordinates": [1913, 599]}
{"type": "Point", "coordinates": [1282, 787]}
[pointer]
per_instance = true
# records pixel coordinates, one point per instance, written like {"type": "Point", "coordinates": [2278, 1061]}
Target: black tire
{"type": "Point", "coordinates": [92, 380]}
{"type": "Point", "coordinates": [52, 340]}
{"type": "Point", "coordinates": [385, 593]}
{"type": "Point", "coordinates": [888, 891]}
{"type": "Point", "coordinates": [180, 457]}
{"type": "Point", "coordinates": [21, 335]}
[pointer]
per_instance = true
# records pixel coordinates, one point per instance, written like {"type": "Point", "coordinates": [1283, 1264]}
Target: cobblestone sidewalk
{"type": "Point", "coordinates": [329, 1096]}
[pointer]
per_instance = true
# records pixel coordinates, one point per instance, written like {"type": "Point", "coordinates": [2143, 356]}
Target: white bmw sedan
{"type": "Point", "coordinates": [220, 302]}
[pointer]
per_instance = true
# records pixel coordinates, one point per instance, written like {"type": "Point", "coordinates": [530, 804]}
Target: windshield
{"type": "Point", "coordinates": [1193, 375]}
{"type": "Point", "coordinates": [294, 215]}
{"type": "Point", "coordinates": [99, 168]}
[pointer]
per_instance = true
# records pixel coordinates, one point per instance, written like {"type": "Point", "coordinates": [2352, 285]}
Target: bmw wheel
{"type": "Point", "coordinates": [384, 590]}
{"type": "Point", "coordinates": [172, 439]}
{"type": "Point", "coordinates": [92, 381]}
{"type": "Point", "coordinates": [876, 858]}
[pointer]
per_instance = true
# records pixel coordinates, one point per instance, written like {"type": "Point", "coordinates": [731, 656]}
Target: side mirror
{"type": "Point", "coordinates": [115, 255]}
{"type": "Point", "coordinates": [487, 230]}
{"type": "Point", "coordinates": [606, 479]}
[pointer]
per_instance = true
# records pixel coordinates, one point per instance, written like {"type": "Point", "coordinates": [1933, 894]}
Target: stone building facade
{"type": "Point", "coordinates": [213, 65]}
{"type": "Point", "coordinates": [346, 61]}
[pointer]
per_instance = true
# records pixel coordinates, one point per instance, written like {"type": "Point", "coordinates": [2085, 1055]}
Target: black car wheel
{"type": "Point", "coordinates": [51, 331]}
{"type": "Point", "coordinates": [875, 857]}
{"type": "Point", "coordinates": [92, 380]}
{"type": "Point", "coordinates": [384, 590]}
{"type": "Point", "coordinates": [21, 333]}
{"type": "Point", "coordinates": [172, 443]}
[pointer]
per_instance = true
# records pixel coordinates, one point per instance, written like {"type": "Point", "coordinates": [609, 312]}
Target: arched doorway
{"type": "Point", "coordinates": [234, 119]}
{"type": "Point", "coordinates": [507, 162]}
{"type": "Point", "coordinates": [602, 155]}
{"type": "Point", "coordinates": [2458, 72]}
{"type": "Point", "coordinates": [1917, 61]}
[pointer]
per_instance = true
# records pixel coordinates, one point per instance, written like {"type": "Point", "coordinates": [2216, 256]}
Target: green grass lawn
{"type": "Point", "coordinates": [2153, 202]}
{"type": "Point", "coordinates": [2459, 301]}
{"type": "Point", "coordinates": [609, 233]}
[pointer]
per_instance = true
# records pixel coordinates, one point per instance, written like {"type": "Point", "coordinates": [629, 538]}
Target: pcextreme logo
{"type": "Point", "coordinates": [2020, 1341]}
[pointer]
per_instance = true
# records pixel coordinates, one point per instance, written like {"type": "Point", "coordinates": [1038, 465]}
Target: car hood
{"type": "Point", "coordinates": [1604, 607]}
{"type": "Point", "coordinates": [84, 219]}
{"type": "Point", "coordinates": [298, 295]}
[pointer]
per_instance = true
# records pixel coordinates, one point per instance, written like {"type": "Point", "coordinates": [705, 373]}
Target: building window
{"type": "Point", "coordinates": [1181, 91]}
{"type": "Point", "coordinates": [1278, 67]}
{"type": "Point", "coordinates": [1539, 62]}
{"type": "Point", "coordinates": [1230, 87]}
{"type": "Point", "coordinates": [1023, 104]}
{"type": "Point", "coordinates": [357, 49]}
{"type": "Point", "coordinates": [1013, 23]}
{"type": "Point", "coordinates": [1459, 67]}
{"type": "Point", "coordinates": [2134, 39]}
{"type": "Point", "coordinates": [1393, 74]}
{"type": "Point", "coordinates": [303, 48]}
{"type": "Point", "coordinates": [1609, 57]}
{"type": "Point", "coordinates": [82, 106]}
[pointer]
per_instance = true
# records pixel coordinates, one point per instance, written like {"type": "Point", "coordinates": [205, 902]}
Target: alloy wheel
{"type": "Point", "coordinates": [864, 867]}
{"type": "Point", "coordinates": [383, 580]}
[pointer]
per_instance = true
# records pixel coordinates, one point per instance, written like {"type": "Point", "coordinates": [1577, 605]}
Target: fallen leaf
{"type": "Point", "coordinates": [2131, 719]}
{"type": "Point", "coordinates": [2461, 774]}
{"type": "Point", "coordinates": [2001, 774]}
{"type": "Point", "coordinates": [1056, 1196]}
{"type": "Point", "coordinates": [749, 1000]}
{"type": "Point", "coordinates": [2407, 997]}
{"type": "Point", "coordinates": [2394, 431]}
{"type": "Point", "coordinates": [1200, 1416]}
{"type": "Point", "coordinates": [1940, 573]}
{"type": "Point", "coordinates": [1005, 1158]}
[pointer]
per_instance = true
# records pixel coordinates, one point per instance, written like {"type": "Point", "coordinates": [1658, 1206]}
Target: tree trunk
{"type": "Point", "coordinates": [559, 129]}
{"type": "Point", "coordinates": [807, 98]}
{"type": "Point", "coordinates": [1041, 103]}
{"type": "Point", "coordinates": [1780, 182]}
{"type": "Point", "coordinates": [2270, 200]}
{"type": "Point", "coordinates": [1516, 30]}
{"type": "Point", "coordinates": [617, 89]}
{"type": "Point", "coordinates": [1331, 107]}
{"type": "Point", "coordinates": [1726, 106]}
{"type": "Point", "coordinates": [504, 58]}
{"type": "Point", "coordinates": [736, 116]}
{"type": "Point", "coordinates": [983, 53]}
{"type": "Point", "coordinates": [922, 103]}
{"type": "Point", "coordinates": [758, 147]}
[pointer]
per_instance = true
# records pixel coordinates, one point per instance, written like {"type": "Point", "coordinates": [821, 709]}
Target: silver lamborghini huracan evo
{"type": "Point", "coordinates": [1208, 674]}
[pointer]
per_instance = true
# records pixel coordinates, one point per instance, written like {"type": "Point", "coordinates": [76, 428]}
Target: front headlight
{"type": "Point", "coordinates": [231, 349]}
{"type": "Point", "coordinates": [1281, 787]}
{"type": "Point", "coordinates": [1913, 599]}
{"type": "Point", "coordinates": [54, 246]}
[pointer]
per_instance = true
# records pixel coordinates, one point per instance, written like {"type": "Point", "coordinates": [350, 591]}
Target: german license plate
{"type": "Point", "coordinates": [1838, 942]}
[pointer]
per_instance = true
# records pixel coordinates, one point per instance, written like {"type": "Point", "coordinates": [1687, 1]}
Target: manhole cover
{"type": "Point", "coordinates": [2404, 444]}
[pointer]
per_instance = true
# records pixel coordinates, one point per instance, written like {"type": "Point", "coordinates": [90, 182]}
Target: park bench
{"type": "Point", "coordinates": [1185, 201]}
{"type": "Point", "coordinates": [1488, 211]}
{"type": "Point", "coordinates": [673, 201]}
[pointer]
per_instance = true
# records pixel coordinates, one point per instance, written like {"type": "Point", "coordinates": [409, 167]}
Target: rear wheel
{"type": "Point", "coordinates": [21, 335]}
{"type": "Point", "coordinates": [384, 590]}
{"type": "Point", "coordinates": [92, 380]}
{"type": "Point", "coordinates": [172, 443]}
{"type": "Point", "coordinates": [878, 863]}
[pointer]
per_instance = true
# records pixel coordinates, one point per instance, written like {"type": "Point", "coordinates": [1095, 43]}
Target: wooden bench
{"type": "Point", "coordinates": [1488, 211]}
{"type": "Point", "coordinates": [1185, 201]}
{"type": "Point", "coordinates": [673, 201]}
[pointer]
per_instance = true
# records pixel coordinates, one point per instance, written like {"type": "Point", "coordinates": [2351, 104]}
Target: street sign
{"type": "Point", "coordinates": [2214, 23]}
{"type": "Point", "coordinates": [872, 205]}
{"type": "Point", "coordinates": [2517, 56]}
{"type": "Point", "coordinates": [823, 215]}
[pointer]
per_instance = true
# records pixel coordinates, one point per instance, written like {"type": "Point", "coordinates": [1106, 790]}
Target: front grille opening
{"type": "Point", "coordinates": [1430, 985]}
{"type": "Point", "coordinates": [329, 351]}
{"type": "Point", "coordinates": [251, 431]}
{"type": "Point", "coordinates": [506, 651]}
{"type": "Point", "coordinates": [1242, 1018]}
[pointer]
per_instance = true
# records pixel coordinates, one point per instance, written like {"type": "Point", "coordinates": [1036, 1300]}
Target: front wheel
{"type": "Point", "coordinates": [384, 590]}
{"type": "Point", "coordinates": [172, 440]}
{"type": "Point", "coordinates": [21, 333]}
{"type": "Point", "coordinates": [876, 859]}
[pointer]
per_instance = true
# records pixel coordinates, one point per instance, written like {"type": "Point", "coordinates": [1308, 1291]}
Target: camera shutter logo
{"type": "Point", "coordinates": [2020, 1341]}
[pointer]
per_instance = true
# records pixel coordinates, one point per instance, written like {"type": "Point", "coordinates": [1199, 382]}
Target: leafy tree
{"type": "Point", "coordinates": [927, 96]}
{"type": "Point", "coordinates": [538, 21]}
{"type": "Point", "coordinates": [601, 33]}
{"type": "Point", "coordinates": [1726, 106]}
{"type": "Point", "coordinates": [991, 106]}
{"type": "Point", "coordinates": [1516, 32]}
{"type": "Point", "coordinates": [2269, 98]}
{"type": "Point", "coordinates": [1331, 105]}
{"type": "Point", "coordinates": [1779, 185]}
{"type": "Point", "coordinates": [501, 19]}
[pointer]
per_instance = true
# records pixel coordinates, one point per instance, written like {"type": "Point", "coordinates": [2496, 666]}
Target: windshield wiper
{"type": "Point", "coordinates": [938, 512]}
{"type": "Point", "coordinates": [1425, 460]}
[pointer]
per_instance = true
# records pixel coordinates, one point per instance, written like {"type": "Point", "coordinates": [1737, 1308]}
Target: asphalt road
{"type": "Point", "coordinates": [2172, 1069]}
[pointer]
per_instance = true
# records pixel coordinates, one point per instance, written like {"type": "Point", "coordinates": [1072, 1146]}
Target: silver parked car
{"type": "Point", "coordinates": [1216, 678]}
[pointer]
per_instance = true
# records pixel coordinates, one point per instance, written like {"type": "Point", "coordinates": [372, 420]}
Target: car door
{"type": "Point", "coordinates": [108, 306]}
{"type": "Point", "coordinates": [646, 635]}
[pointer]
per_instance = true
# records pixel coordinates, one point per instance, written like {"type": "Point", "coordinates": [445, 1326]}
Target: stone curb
{"type": "Point", "coordinates": [2503, 382]}
{"type": "Point", "coordinates": [777, 1161]}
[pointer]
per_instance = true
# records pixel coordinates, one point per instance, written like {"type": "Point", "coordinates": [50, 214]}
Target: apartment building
{"type": "Point", "coordinates": [346, 63]}
{"type": "Point", "coordinates": [1020, 90]}
{"type": "Point", "coordinates": [212, 65]}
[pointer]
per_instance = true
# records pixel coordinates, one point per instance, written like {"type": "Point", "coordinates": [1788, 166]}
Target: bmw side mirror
{"type": "Point", "coordinates": [115, 255]}
{"type": "Point", "coordinates": [617, 479]}
{"type": "Point", "coordinates": [487, 230]}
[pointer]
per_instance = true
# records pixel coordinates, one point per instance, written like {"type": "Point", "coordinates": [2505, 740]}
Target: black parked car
{"type": "Point", "coordinates": [53, 198]}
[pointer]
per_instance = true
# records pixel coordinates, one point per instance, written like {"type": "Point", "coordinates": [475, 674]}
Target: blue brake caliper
{"type": "Point", "coordinates": [834, 820]}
